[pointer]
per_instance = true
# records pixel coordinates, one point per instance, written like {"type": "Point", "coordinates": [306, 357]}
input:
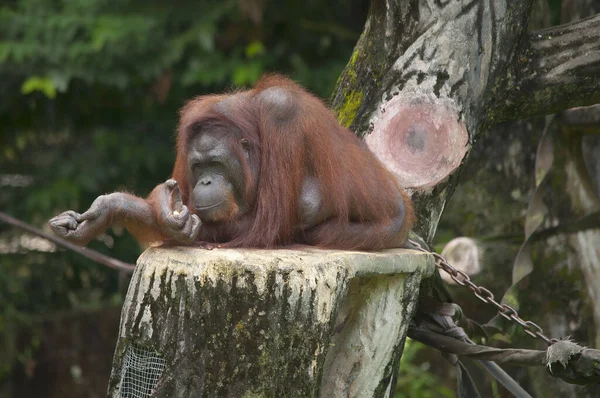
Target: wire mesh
{"type": "Point", "coordinates": [142, 367]}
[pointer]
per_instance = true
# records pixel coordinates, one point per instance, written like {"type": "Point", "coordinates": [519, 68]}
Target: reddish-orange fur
{"type": "Point", "coordinates": [355, 185]}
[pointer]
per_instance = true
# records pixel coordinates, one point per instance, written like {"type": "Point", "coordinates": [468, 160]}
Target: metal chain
{"type": "Point", "coordinates": [486, 296]}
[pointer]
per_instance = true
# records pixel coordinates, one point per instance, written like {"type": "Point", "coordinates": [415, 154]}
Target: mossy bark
{"type": "Point", "coordinates": [259, 323]}
{"type": "Point", "coordinates": [473, 61]}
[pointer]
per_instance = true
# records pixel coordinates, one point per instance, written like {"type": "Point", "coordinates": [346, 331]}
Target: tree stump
{"type": "Point", "coordinates": [266, 323]}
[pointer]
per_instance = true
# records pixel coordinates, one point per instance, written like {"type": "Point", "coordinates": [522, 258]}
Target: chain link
{"type": "Point", "coordinates": [483, 294]}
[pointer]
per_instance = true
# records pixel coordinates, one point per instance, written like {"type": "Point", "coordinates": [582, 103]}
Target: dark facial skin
{"type": "Point", "coordinates": [216, 159]}
{"type": "Point", "coordinates": [217, 174]}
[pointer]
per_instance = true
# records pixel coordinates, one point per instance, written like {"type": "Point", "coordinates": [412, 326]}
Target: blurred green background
{"type": "Point", "coordinates": [89, 93]}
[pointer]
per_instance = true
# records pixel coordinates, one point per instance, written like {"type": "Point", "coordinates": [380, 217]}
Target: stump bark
{"type": "Point", "coordinates": [260, 323]}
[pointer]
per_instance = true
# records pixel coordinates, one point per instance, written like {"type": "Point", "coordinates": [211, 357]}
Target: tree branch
{"type": "Point", "coordinates": [450, 345]}
{"type": "Point", "coordinates": [590, 221]}
{"type": "Point", "coordinates": [557, 68]}
{"type": "Point", "coordinates": [584, 119]}
{"type": "Point", "coordinates": [417, 84]}
{"type": "Point", "coordinates": [84, 251]}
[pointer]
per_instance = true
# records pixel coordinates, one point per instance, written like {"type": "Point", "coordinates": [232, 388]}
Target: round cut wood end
{"type": "Point", "coordinates": [422, 143]}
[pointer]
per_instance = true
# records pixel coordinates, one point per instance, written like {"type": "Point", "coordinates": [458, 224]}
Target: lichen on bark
{"type": "Point", "coordinates": [259, 322]}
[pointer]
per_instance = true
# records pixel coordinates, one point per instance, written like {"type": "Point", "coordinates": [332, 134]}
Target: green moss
{"type": "Point", "coordinates": [353, 89]}
{"type": "Point", "coordinates": [239, 326]}
{"type": "Point", "coordinates": [351, 68]}
{"type": "Point", "coordinates": [347, 112]}
{"type": "Point", "coordinates": [263, 360]}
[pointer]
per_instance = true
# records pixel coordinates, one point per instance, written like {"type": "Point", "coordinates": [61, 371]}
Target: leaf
{"type": "Point", "coordinates": [206, 40]}
{"type": "Point", "coordinates": [4, 52]}
{"type": "Point", "coordinates": [247, 73]}
{"type": "Point", "coordinates": [536, 213]}
{"type": "Point", "coordinates": [521, 267]}
{"type": "Point", "coordinates": [60, 81]}
{"type": "Point", "coordinates": [544, 156]}
{"type": "Point", "coordinates": [37, 83]}
{"type": "Point", "coordinates": [536, 210]}
{"type": "Point", "coordinates": [254, 49]}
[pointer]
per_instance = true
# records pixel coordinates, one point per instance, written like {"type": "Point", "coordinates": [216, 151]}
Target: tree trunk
{"type": "Point", "coordinates": [428, 76]}
{"type": "Point", "coordinates": [260, 323]}
{"type": "Point", "coordinates": [489, 205]}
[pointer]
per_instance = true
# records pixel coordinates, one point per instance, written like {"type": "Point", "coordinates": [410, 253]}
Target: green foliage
{"type": "Point", "coordinates": [43, 84]}
{"type": "Point", "coordinates": [415, 380]}
{"type": "Point", "coordinates": [89, 92]}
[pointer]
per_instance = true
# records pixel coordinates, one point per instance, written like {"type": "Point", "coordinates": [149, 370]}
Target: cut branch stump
{"type": "Point", "coordinates": [266, 323]}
